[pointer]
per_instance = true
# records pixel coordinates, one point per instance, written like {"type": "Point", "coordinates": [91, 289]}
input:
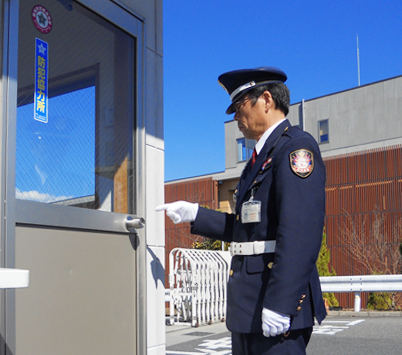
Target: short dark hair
{"type": "Point", "coordinates": [280, 94]}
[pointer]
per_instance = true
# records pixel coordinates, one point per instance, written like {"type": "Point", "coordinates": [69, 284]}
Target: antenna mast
{"type": "Point", "coordinates": [358, 60]}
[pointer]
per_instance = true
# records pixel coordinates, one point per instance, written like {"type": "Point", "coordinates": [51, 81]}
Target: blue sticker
{"type": "Point", "coordinates": [41, 107]}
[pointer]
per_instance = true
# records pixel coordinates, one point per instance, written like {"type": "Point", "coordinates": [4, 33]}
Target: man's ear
{"type": "Point", "coordinates": [268, 100]}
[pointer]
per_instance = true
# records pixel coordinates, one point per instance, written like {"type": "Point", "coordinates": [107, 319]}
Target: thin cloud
{"type": "Point", "coordinates": [39, 197]}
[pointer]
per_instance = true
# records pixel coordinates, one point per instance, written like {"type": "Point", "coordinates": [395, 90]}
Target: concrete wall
{"type": "Point", "coordinates": [362, 118]}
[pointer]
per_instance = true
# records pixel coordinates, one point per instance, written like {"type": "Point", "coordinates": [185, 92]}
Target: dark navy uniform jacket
{"type": "Point", "coordinates": [292, 213]}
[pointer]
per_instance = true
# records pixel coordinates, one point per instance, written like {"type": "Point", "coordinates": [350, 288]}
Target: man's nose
{"type": "Point", "coordinates": [235, 117]}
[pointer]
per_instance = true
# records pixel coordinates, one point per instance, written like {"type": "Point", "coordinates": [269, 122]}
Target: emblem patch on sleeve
{"type": "Point", "coordinates": [302, 162]}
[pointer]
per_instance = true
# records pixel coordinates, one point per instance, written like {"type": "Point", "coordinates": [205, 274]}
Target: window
{"type": "Point", "coordinates": [245, 149]}
{"type": "Point", "coordinates": [323, 131]}
{"type": "Point", "coordinates": [76, 111]}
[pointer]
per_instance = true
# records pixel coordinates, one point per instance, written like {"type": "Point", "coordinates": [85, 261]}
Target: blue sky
{"type": "Point", "coordinates": [314, 42]}
{"type": "Point", "coordinates": [45, 169]}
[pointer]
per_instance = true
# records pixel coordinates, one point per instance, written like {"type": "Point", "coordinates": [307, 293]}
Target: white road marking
{"type": "Point", "coordinates": [333, 327]}
{"type": "Point", "coordinates": [223, 346]}
{"type": "Point", "coordinates": [210, 347]}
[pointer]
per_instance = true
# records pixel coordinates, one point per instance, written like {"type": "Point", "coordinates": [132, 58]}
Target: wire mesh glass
{"type": "Point", "coordinates": [82, 154]}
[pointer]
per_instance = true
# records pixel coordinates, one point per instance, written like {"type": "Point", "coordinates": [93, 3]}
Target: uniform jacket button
{"type": "Point", "coordinates": [298, 308]}
{"type": "Point", "coordinates": [231, 273]}
{"type": "Point", "coordinates": [270, 265]}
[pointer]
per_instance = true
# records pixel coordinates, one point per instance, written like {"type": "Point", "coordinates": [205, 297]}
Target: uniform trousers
{"type": "Point", "coordinates": [257, 344]}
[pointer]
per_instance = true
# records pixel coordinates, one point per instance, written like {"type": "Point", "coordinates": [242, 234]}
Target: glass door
{"type": "Point", "coordinates": [77, 179]}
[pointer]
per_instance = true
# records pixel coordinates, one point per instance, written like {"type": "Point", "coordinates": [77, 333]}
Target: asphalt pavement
{"type": "Point", "coordinates": [342, 332]}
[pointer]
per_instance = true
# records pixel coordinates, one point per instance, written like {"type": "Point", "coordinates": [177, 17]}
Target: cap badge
{"type": "Point", "coordinates": [302, 162]}
{"type": "Point", "coordinates": [242, 88]}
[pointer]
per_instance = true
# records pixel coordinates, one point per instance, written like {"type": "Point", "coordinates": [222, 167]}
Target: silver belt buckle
{"type": "Point", "coordinates": [252, 248]}
{"type": "Point", "coordinates": [241, 248]}
{"type": "Point", "coordinates": [233, 248]}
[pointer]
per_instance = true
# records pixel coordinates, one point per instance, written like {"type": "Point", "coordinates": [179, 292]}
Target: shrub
{"type": "Point", "coordinates": [323, 269]}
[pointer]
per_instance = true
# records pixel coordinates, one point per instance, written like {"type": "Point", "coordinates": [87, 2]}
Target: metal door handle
{"type": "Point", "coordinates": [133, 223]}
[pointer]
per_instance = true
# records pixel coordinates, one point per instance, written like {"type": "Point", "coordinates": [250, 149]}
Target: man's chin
{"type": "Point", "coordinates": [245, 133]}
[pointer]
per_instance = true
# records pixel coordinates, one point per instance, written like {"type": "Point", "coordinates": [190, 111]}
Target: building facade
{"type": "Point", "coordinates": [359, 132]}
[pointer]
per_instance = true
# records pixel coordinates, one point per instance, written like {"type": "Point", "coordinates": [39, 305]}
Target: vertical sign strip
{"type": "Point", "coordinates": [41, 81]}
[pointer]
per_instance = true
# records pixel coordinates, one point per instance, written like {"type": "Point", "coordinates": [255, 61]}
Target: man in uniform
{"type": "Point", "coordinates": [276, 229]}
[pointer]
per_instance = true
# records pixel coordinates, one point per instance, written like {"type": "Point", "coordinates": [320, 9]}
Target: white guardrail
{"type": "Point", "coordinates": [197, 280]}
{"type": "Point", "coordinates": [361, 283]}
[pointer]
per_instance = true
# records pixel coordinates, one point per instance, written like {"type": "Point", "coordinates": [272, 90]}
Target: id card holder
{"type": "Point", "coordinates": [251, 212]}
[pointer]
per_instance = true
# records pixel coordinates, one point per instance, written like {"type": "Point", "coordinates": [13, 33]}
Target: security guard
{"type": "Point", "coordinates": [275, 233]}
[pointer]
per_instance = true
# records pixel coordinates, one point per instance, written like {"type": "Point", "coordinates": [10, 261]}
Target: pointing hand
{"type": "Point", "coordinates": [180, 211]}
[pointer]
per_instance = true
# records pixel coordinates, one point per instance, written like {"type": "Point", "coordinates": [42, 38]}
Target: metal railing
{"type": "Point", "coordinates": [198, 286]}
{"type": "Point", "coordinates": [362, 283]}
{"type": "Point", "coordinates": [198, 283]}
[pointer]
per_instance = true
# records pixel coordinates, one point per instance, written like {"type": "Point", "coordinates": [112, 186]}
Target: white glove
{"type": "Point", "coordinates": [180, 211]}
{"type": "Point", "coordinates": [274, 323]}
